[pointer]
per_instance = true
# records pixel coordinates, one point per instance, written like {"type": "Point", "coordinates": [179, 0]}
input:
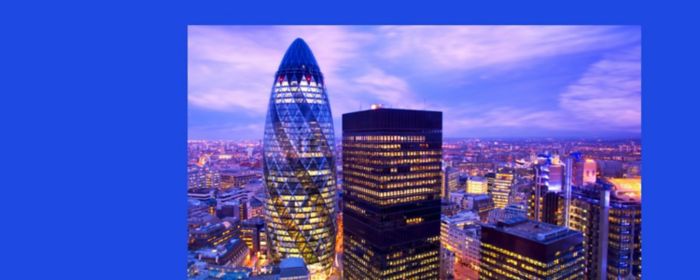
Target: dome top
{"type": "Point", "coordinates": [299, 57]}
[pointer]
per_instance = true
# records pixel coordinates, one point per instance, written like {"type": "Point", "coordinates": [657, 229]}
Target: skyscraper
{"type": "Point", "coordinates": [608, 214]}
{"type": "Point", "coordinates": [299, 163]}
{"type": "Point", "coordinates": [392, 180]}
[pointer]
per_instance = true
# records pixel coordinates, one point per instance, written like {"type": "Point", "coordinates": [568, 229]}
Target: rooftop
{"type": "Point", "coordinates": [627, 188]}
{"type": "Point", "coordinates": [535, 231]}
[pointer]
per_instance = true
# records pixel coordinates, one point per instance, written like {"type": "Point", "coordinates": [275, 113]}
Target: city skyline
{"type": "Point", "coordinates": [490, 81]}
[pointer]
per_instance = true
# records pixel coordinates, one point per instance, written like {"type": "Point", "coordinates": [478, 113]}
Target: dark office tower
{"type": "Point", "coordinates": [524, 249]}
{"type": "Point", "coordinates": [392, 180]}
{"type": "Point", "coordinates": [299, 163]}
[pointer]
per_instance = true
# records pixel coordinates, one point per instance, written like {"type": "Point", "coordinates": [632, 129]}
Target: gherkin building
{"type": "Point", "coordinates": [299, 163]}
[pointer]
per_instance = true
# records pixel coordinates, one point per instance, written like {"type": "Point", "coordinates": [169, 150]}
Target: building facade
{"type": "Point", "coordinates": [477, 185]}
{"type": "Point", "coordinates": [392, 183]}
{"type": "Point", "coordinates": [459, 252]}
{"type": "Point", "coordinates": [524, 249]}
{"type": "Point", "coordinates": [299, 163]}
{"type": "Point", "coordinates": [499, 186]}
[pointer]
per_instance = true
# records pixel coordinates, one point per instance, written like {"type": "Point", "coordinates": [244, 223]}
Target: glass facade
{"type": "Point", "coordinates": [299, 164]}
{"type": "Point", "coordinates": [524, 249]}
{"type": "Point", "coordinates": [611, 223]}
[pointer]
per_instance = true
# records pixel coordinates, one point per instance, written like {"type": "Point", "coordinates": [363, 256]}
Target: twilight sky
{"type": "Point", "coordinates": [489, 81]}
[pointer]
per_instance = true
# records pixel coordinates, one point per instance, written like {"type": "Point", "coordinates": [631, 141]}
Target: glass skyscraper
{"type": "Point", "coordinates": [299, 164]}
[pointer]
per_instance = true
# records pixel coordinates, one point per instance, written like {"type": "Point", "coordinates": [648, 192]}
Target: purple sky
{"type": "Point", "coordinates": [489, 81]}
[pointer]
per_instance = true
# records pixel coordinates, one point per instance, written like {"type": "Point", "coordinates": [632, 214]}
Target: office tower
{"type": "Point", "coordinates": [609, 216]}
{"type": "Point", "coordinates": [459, 251]}
{"type": "Point", "coordinates": [499, 185]}
{"type": "Point", "coordinates": [299, 163]}
{"type": "Point", "coordinates": [552, 179]}
{"type": "Point", "coordinates": [392, 182]}
{"type": "Point", "coordinates": [589, 215]}
{"type": "Point", "coordinates": [524, 249]}
{"type": "Point", "coordinates": [477, 185]}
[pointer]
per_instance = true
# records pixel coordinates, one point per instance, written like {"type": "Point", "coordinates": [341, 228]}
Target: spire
{"type": "Point", "coordinates": [299, 57]}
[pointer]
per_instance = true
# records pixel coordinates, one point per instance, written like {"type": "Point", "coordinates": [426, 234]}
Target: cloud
{"type": "Point", "coordinates": [609, 92]}
{"type": "Point", "coordinates": [505, 118]}
{"type": "Point", "coordinates": [231, 69]}
{"type": "Point", "coordinates": [470, 47]}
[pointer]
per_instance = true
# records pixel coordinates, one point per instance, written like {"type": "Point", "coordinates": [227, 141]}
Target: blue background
{"type": "Point", "coordinates": [94, 123]}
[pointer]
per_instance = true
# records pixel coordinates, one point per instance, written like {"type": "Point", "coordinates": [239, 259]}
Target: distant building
{"type": "Point", "coordinates": [231, 195]}
{"type": "Point", "coordinates": [231, 253]}
{"type": "Point", "coordinates": [293, 269]}
{"type": "Point", "coordinates": [256, 208]}
{"type": "Point", "coordinates": [459, 252]}
{"type": "Point", "coordinates": [525, 249]}
{"type": "Point", "coordinates": [253, 234]}
{"type": "Point", "coordinates": [477, 185]}
{"type": "Point", "coordinates": [509, 212]}
{"type": "Point", "coordinates": [212, 235]}
{"type": "Point", "coordinates": [236, 178]}
{"type": "Point", "coordinates": [499, 186]}
{"type": "Point", "coordinates": [203, 178]}
{"type": "Point", "coordinates": [482, 204]}
{"type": "Point", "coordinates": [584, 171]}
{"type": "Point", "coordinates": [203, 194]}
{"type": "Point", "coordinates": [288, 269]}
{"type": "Point", "coordinates": [392, 182]}
{"type": "Point", "coordinates": [450, 182]}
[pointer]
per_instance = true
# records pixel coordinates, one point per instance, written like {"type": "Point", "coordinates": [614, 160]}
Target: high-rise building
{"type": "Point", "coordinates": [588, 214]}
{"type": "Point", "coordinates": [519, 248]}
{"type": "Point", "coordinates": [299, 163]}
{"type": "Point", "coordinates": [477, 185]}
{"type": "Point", "coordinates": [609, 216]}
{"type": "Point", "coordinates": [551, 187]}
{"type": "Point", "coordinates": [499, 184]}
{"type": "Point", "coordinates": [392, 182]}
{"type": "Point", "coordinates": [625, 226]}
